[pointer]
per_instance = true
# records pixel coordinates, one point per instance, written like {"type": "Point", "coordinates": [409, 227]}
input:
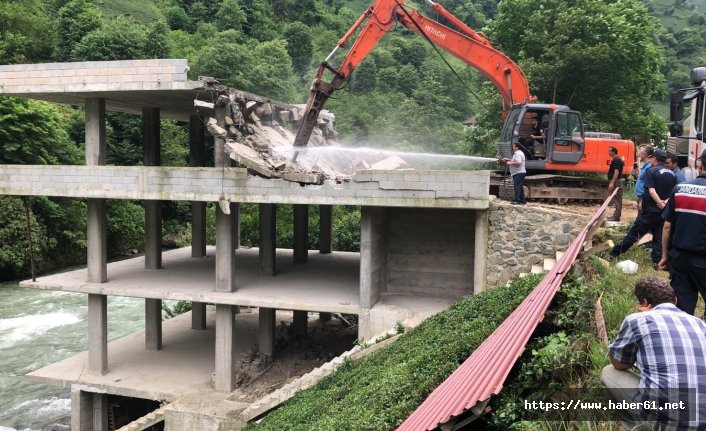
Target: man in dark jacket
{"type": "Point", "coordinates": [615, 181]}
{"type": "Point", "coordinates": [659, 183]}
{"type": "Point", "coordinates": [684, 247]}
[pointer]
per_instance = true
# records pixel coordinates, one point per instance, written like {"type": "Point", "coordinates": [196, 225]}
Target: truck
{"type": "Point", "coordinates": [565, 146]}
{"type": "Point", "coordinates": [686, 134]}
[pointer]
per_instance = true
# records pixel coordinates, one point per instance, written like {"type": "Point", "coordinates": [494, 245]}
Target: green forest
{"type": "Point", "coordinates": [616, 61]}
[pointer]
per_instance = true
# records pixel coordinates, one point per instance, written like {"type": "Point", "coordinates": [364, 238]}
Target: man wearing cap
{"type": "Point", "coordinates": [659, 183]}
{"type": "Point", "coordinates": [684, 232]}
{"type": "Point", "coordinates": [645, 156]}
{"type": "Point", "coordinates": [615, 181]}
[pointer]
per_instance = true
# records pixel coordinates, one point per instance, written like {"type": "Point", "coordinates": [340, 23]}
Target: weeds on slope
{"type": "Point", "coordinates": [380, 391]}
{"type": "Point", "coordinates": [566, 355]}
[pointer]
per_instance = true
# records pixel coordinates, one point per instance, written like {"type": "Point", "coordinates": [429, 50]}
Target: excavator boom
{"type": "Point", "coordinates": [464, 43]}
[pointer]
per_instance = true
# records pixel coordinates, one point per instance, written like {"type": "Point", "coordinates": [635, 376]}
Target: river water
{"type": "Point", "coordinates": [39, 327]}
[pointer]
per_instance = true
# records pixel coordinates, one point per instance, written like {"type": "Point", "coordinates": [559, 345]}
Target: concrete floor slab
{"type": "Point", "coordinates": [182, 368]}
{"type": "Point", "coordinates": [327, 283]}
{"type": "Point", "coordinates": [184, 365]}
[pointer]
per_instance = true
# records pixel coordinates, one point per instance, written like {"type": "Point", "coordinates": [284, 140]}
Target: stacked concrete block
{"type": "Point", "coordinates": [64, 77]}
{"type": "Point", "coordinates": [373, 188]}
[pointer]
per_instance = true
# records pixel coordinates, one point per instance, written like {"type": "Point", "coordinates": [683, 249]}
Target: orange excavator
{"type": "Point", "coordinates": [553, 137]}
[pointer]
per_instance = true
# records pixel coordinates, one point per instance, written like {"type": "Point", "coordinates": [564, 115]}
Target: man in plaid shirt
{"type": "Point", "coordinates": [668, 347]}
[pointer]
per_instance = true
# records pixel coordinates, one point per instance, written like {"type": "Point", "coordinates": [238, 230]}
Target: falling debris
{"type": "Point", "coordinates": [258, 133]}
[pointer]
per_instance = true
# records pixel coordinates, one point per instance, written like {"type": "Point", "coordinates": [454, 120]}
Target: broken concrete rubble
{"type": "Point", "coordinates": [258, 133]}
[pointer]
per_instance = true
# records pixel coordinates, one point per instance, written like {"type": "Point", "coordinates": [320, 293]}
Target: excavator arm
{"type": "Point", "coordinates": [467, 45]}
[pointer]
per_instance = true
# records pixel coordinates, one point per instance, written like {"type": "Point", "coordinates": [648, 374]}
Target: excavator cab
{"type": "Point", "coordinates": [546, 134]}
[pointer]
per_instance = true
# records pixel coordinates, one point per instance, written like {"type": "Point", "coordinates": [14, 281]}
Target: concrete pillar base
{"type": "Point", "coordinates": [266, 331]}
{"type": "Point", "coordinates": [225, 348]}
{"type": "Point", "coordinates": [81, 410]}
{"type": "Point", "coordinates": [268, 238]}
{"type": "Point", "coordinates": [480, 251]}
{"type": "Point", "coordinates": [301, 233]}
{"type": "Point", "coordinates": [198, 315]}
{"type": "Point", "coordinates": [100, 412]}
{"type": "Point", "coordinates": [325, 228]}
{"type": "Point", "coordinates": [97, 334]}
{"type": "Point", "coordinates": [226, 243]}
{"type": "Point", "coordinates": [300, 322]}
{"type": "Point", "coordinates": [153, 324]}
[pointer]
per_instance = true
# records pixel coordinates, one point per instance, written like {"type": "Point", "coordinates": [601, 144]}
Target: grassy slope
{"type": "Point", "coordinates": [378, 392]}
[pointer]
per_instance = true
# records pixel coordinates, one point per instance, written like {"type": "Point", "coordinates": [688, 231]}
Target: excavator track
{"type": "Point", "coordinates": [559, 189]}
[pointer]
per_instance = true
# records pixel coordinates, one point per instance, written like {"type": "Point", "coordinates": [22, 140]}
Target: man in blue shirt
{"type": "Point", "coordinates": [671, 163]}
{"type": "Point", "coordinates": [645, 156]}
{"type": "Point", "coordinates": [667, 346]}
{"type": "Point", "coordinates": [684, 247]}
{"type": "Point", "coordinates": [659, 183]}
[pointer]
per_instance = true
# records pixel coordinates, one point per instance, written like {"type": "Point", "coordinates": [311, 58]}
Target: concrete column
{"type": "Point", "coordinates": [301, 233]}
{"type": "Point", "coordinates": [325, 228]}
{"type": "Point", "coordinates": [97, 334]}
{"type": "Point", "coordinates": [100, 412]}
{"type": "Point", "coordinates": [220, 158]}
{"type": "Point", "coordinates": [266, 331]}
{"type": "Point", "coordinates": [372, 255]}
{"type": "Point", "coordinates": [225, 347]}
{"type": "Point", "coordinates": [97, 241]}
{"type": "Point", "coordinates": [96, 238]}
{"type": "Point", "coordinates": [198, 229]}
{"type": "Point", "coordinates": [235, 220]}
{"type": "Point", "coordinates": [300, 322]}
{"type": "Point", "coordinates": [268, 239]}
{"type": "Point", "coordinates": [153, 324]}
{"type": "Point", "coordinates": [81, 410]}
{"type": "Point", "coordinates": [153, 209]}
{"type": "Point", "coordinates": [226, 243]}
{"type": "Point", "coordinates": [197, 152]}
{"type": "Point", "coordinates": [324, 317]}
{"type": "Point", "coordinates": [480, 251]}
{"type": "Point", "coordinates": [198, 315]}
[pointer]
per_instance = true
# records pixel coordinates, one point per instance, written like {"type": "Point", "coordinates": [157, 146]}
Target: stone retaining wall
{"type": "Point", "coordinates": [522, 236]}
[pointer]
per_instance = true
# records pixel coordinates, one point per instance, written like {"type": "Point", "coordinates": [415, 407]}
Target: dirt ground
{"type": "Point", "coordinates": [588, 209]}
{"type": "Point", "coordinates": [295, 355]}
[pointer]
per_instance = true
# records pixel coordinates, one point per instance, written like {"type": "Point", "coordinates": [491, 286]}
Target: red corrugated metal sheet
{"type": "Point", "coordinates": [482, 375]}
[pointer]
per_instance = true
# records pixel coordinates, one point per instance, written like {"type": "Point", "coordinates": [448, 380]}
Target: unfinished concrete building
{"type": "Point", "coordinates": [424, 236]}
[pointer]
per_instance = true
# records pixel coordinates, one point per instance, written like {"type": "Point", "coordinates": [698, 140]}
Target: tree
{"type": "Point", "coordinates": [121, 39]}
{"type": "Point", "coordinates": [14, 256]}
{"type": "Point", "coordinates": [76, 19]}
{"type": "Point", "coordinates": [230, 16]}
{"type": "Point", "coordinates": [32, 133]}
{"type": "Point", "coordinates": [299, 45]}
{"type": "Point", "coordinates": [259, 24]}
{"type": "Point", "coordinates": [25, 32]}
{"type": "Point", "coordinates": [598, 57]}
{"type": "Point", "coordinates": [272, 74]}
{"type": "Point", "coordinates": [227, 61]}
{"type": "Point", "coordinates": [177, 19]}
{"type": "Point", "coordinates": [156, 43]}
{"type": "Point", "coordinates": [364, 79]}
